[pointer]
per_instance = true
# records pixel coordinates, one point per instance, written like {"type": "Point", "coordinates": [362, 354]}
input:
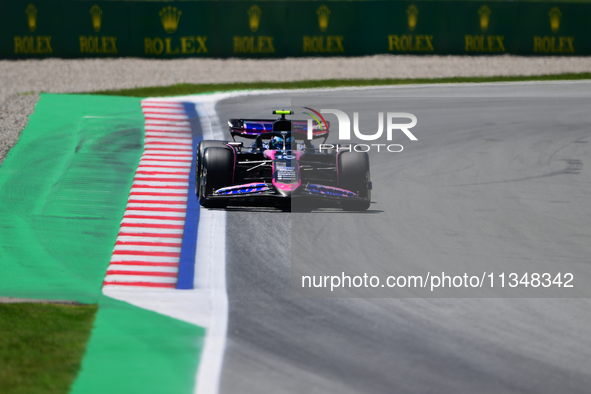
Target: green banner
{"type": "Point", "coordinates": [32, 30]}
{"type": "Point", "coordinates": [404, 27]}
{"type": "Point", "coordinates": [482, 28]}
{"type": "Point", "coordinates": [323, 29]}
{"type": "Point", "coordinates": [252, 29]}
{"type": "Point", "coordinates": [97, 29]}
{"type": "Point", "coordinates": [167, 30]}
{"type": "Point", "coordinates": [555, 29]}
{"type": "Point", "coordinates": [68, 28]}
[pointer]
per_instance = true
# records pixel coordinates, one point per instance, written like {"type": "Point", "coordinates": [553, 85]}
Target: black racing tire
{"type": "Point", "coordinates": [198, 168]}
{"type": "Point", "coordinates": [218, 168]}
{"type": "Point", "coordinates": [354, 175]}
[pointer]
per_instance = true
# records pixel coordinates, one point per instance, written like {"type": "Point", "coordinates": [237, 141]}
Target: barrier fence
{"type": "Point", "coordinates": [290, 28]}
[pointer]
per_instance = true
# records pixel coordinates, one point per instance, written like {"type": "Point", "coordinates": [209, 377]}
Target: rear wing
{"type": "Point", "coordinates": [251, 128]}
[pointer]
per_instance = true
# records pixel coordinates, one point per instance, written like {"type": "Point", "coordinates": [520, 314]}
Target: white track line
{"type": "Point", "coordinates": [211, 248]}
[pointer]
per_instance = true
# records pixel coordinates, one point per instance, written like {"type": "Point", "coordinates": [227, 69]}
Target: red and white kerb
{"type": "Point", "coordinates": [148, 248]}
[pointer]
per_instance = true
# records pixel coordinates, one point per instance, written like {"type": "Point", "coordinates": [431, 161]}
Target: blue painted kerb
{"type": "Point", "coordinates": [189, 247]}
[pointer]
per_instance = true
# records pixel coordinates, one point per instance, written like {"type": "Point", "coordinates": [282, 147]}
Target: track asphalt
{"type": "Point", "coordinates": [498, 179]}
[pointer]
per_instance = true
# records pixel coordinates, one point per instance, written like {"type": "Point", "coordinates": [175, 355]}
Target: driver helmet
{"type": "Point", "coordinates": [276, 143]}
{"type": "Point", "coordinates": [290, 143]}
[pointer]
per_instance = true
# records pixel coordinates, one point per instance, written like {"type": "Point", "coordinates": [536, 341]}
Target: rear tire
{"type": "Point", "coordinates": [354, 175]}
{"type": "Point", "coordinates": [217, 171]}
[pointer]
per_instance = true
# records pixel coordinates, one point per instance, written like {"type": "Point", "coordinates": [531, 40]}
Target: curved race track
{"type": "Point", "coordinates": [499, 177]}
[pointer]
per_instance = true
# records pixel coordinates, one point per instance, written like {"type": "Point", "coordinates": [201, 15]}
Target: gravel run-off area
{"type": "Point", "coordinates": [14, 114]}
{"type": "Point", "coordinates": [22, 80]}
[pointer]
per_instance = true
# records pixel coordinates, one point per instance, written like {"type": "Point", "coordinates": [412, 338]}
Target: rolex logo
{"type": "Point", "coordinates": [555, 19]}
{"type": "Point", "coordinates": [323, 13]}
{"type": "Point", "coordinates": [96, 15]}
{"type": "Point", "coordinates": [170, 18]}
{"type": "Point", "coordinates": [412, 11]}
{"type": "Point", "coordinates": [254, 17]}
{"type": "Point", "coordinates": [31, 12]}
{"type": "Point", "coordinates": [484, 12]}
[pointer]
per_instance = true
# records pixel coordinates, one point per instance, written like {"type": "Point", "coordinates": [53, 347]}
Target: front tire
{"type": "Point", "coordinates": [354, 175]}
{"type": "Point", "coordinates": [199, 159]}
{"type": "Point", "coordinates": [217, 172]}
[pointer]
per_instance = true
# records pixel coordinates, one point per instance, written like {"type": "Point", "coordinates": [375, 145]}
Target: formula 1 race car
{"type": "Point", "coordinates": [281, 167]}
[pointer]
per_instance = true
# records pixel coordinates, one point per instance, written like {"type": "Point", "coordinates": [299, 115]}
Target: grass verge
{"type": "Point", "coordinates": [187, 88]}
{"type": "Point", "coordinates": [41, 346]}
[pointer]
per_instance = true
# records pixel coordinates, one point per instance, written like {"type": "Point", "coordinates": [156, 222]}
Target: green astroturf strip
{"type": "Point", "coordinates": [133, 350]}
{"type": "Point", "coordinates": [41, 346]}
{"type": "Point", "coordinates": [63, 191]}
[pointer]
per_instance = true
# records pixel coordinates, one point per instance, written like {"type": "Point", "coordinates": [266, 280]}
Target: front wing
{"type": "Point", "coordinates": [267, 190]}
